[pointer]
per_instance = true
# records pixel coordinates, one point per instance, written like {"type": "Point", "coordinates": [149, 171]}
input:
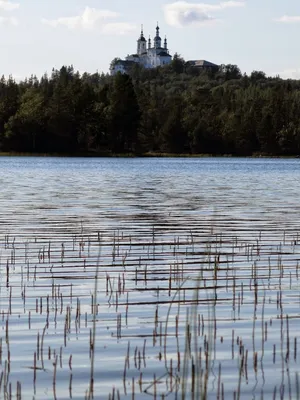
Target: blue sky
{"type": "Point", "coordinates": [36, 35]}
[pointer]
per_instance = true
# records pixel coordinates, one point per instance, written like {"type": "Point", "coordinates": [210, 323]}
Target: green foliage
{"type": "Point", "coordinates": [122, 114]}
{"type": "Point", "coordinates": [24, 130]}
{"type": "Point", "coordinates": [174, 108]}
{"type": "Point", "coordinates": [177, 64]}
{"type": "Point", "coordinates": [114, 62]}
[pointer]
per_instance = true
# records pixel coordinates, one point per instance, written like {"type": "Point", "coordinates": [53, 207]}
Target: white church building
{"type": "Point", "coordinates": [147, 55]}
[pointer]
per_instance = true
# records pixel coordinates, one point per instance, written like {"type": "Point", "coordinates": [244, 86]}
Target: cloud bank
{"type": "Point", "coordinates": [290, 73]}
{"type": "Point", "coordinates": [288, 19]}
{"type": "Point", "coordinates": [8, 20]}
{"type": "Point", "coordinates": [8, 5]}
{"type": "Point", "coordinates": [93, 18]}
{"type": "Point", "coordinates": [118, 28]}
{"type": "Point", "coordinates": [182, 13]}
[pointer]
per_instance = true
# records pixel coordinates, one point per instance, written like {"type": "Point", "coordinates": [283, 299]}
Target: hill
{"type": "Point", "coordinates": [178, 109]}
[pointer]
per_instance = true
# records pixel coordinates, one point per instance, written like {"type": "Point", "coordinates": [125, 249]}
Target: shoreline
{"type": "Point", "coordinates": [143, 155]}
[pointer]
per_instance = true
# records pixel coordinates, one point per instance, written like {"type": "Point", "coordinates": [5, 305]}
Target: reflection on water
{"type": "Point", "coordinates": [151, 226]}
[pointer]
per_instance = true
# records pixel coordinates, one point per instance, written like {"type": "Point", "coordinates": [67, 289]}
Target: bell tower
{"type": "Point", "coordinates": [141, 43]}
{"type": "Point", "coordinates": [166, 44]}
{"type": "Point", "coordinates": [157, 39]}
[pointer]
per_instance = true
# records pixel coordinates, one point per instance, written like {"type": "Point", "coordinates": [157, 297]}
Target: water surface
{"type": "Point", "coordinates": [155, 228]}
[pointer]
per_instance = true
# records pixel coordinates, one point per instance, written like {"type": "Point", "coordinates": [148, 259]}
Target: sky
{"type": "Point", "coordinates": [38, 35]}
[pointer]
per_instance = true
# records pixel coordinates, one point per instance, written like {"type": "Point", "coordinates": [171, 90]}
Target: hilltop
{"type": "Point", "coordinates": [177, 108]}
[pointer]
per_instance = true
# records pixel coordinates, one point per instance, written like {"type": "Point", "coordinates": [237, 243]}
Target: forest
{"type": "Point", "coordinates": [175, 109]}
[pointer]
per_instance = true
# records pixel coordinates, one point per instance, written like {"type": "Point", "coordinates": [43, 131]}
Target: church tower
{"type": "Point", "coordinates": [141, 43]}
{"type": "Point", "coordinates": [157, 39]}
{"type": "Point", "coordinates": [166, 44]}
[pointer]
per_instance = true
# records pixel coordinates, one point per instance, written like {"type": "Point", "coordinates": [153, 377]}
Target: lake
{"type": "Point", "coordinates": [197, 289]}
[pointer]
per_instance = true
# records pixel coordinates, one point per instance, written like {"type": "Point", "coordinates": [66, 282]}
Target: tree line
{"type": "Point", "coordinates": [172, 109]}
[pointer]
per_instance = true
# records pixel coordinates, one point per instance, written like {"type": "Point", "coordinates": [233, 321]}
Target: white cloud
{"type": "Point", "coordinates": [118, 28]}
{"type": "Point", "coordinates": [8, 5]}
{"type": "Point", "coordinates": [290, 73]}
{"type": "Point", "coordinates": [182, 13]}
{"type": "Point", "coordinates": [89, 19]}
{"type": "Point", "coordinates": [8, 20]}
{"type": "Point", "coordinates": [288, 19]}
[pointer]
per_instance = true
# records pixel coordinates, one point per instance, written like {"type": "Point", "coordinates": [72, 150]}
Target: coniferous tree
{"type": "Point", "coordinates": [170, 109]}
{"type": "Point", "coordinates": [123, 114]}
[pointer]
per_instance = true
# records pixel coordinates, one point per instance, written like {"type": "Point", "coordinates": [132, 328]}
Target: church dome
{"type": "Point", "coordinates": [157, 39]}
{"type": "Point", "coordinates": [142, 38]}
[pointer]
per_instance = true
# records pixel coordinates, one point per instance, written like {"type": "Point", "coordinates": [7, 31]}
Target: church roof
{"type": "Point", "coordinates": [125, 63]}
{"type": "Point", "coordinates": [202, 63]}
{"type": "Point", "coordinates": [142, 38]}
{"type": "Point", "coordinates": [164, 54]}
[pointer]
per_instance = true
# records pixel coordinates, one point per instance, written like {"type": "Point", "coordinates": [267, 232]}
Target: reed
{"type": "Point", "coordinates": [189, 294]}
